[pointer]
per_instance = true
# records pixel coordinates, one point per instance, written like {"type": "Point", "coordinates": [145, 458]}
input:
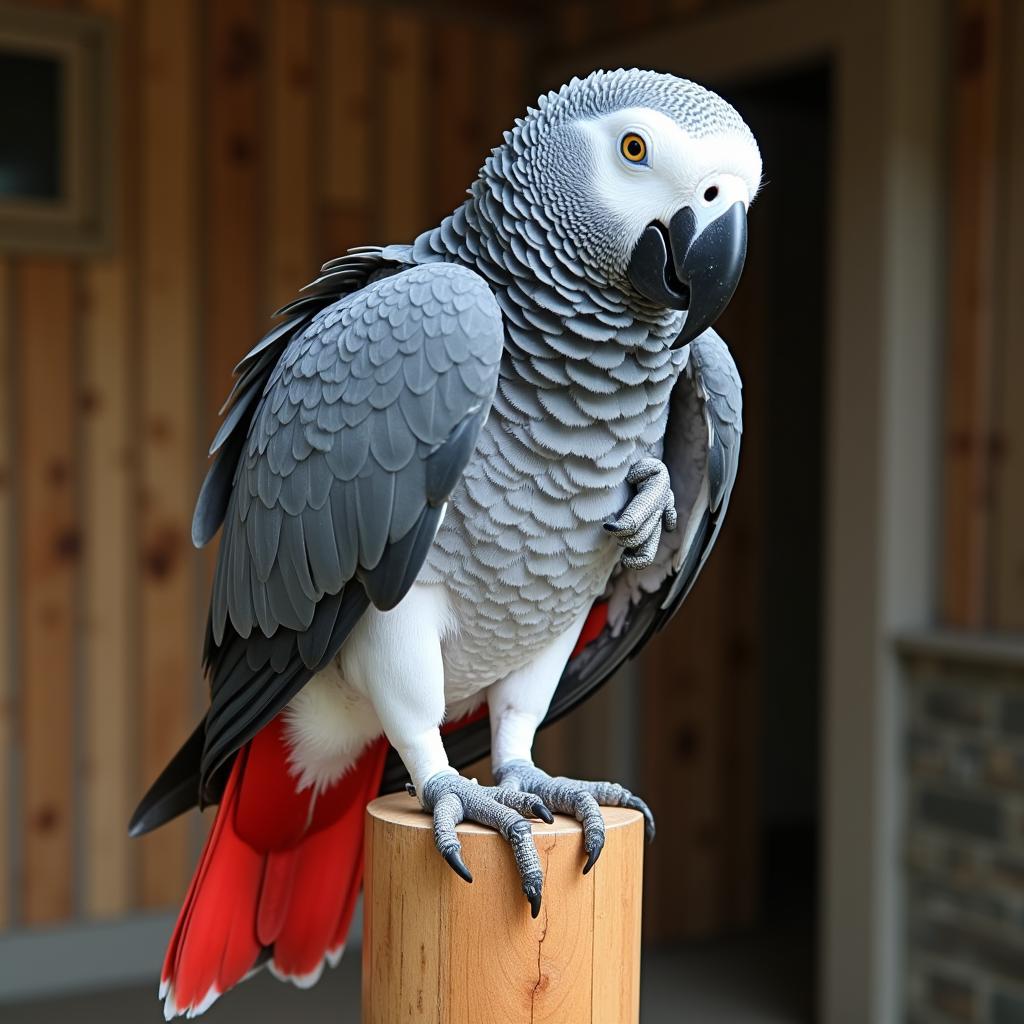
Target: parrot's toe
{"type": "Point", "coordinates": [583, 800]}
{"type": "Point", "coordinates": [454, 799]}
{"type": "Point", "coordinates": [638, 528]}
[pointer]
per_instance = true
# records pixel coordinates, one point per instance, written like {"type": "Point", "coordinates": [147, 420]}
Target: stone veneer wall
{"type": "Point", "coordinates": [964, 830]}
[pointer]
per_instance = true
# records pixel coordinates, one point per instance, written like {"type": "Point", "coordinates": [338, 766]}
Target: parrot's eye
{"type": "Point", "coordinates": [633, 148]}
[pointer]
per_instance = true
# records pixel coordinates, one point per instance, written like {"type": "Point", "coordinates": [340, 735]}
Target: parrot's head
{"type": "Point", "coordinates": [649, 178]}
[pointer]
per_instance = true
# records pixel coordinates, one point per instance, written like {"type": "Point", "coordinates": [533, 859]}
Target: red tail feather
{"type": "Point", "coordinates": [277, 874]}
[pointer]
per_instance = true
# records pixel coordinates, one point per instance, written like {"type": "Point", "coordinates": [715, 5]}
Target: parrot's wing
{"type": "Point", "coordinates": [363, 429]}
{"type": "Point", "coordinates": [701, 450]}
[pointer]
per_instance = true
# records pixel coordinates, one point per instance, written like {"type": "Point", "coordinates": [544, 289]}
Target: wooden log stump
{"type": "Point", "coordinates": [439, 951]}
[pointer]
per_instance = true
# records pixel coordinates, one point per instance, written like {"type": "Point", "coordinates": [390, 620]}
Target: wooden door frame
{"type": "Point", "coordinates": [886, 321]}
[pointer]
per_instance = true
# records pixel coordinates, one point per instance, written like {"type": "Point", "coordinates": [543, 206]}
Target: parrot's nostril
{"type": "Point", "coordinates": [710, 194]}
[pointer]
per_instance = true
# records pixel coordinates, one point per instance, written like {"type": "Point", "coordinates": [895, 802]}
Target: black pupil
{"type": "Point", "coordinates": [634, 147]}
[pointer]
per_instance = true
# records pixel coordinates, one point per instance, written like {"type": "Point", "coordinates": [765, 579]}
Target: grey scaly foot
{"type": "Point", "coordinates": [454, 799]}
{"type": "Point", "coordinates": [653, 508]}
{"type": "Point", "coordinates": [583, 800]}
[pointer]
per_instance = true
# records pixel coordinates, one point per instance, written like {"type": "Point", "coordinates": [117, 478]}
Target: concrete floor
{"type": "Point", "coordinates": [757, 979]}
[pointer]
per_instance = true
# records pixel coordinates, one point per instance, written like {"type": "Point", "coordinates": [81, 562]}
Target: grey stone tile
{"type": "Point", "coordinates": [969, 813]}
{"type": "Point", "coordinates": [1007, 1009]}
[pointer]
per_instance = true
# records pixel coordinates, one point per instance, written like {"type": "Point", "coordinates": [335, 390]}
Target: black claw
{"type": "Point", "coordinates": [637, 804]}
{"type": "Point", "coordinates": [534, 898]}
{"type": "Point", "coordinates": [540, 811]}
{"type": "Point", "coordinates": [456, 863]}
{"type": "Point", "coordinates": [592, 856]}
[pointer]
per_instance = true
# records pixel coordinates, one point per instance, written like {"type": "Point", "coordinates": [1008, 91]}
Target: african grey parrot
{"type": "Point", "coordinates": [460, 482]}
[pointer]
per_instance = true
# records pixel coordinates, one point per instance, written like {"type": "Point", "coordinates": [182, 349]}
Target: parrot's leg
{"type": "Point", "coordinates": [653, 508]}
{"type": "Point", "coordinates": [396, 659]}
{"type": "Point", "coordinates": [517, 706]}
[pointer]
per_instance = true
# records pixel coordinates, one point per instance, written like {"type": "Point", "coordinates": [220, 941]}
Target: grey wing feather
{"type": "Point", "coordinates": [339, 490]}
{"type": "Point", "coordinates": [345, 432]}
{"type": "Point", "coordinates": [718, 390]}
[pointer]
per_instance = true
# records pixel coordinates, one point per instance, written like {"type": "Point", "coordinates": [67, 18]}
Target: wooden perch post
{"type": "Point", "coordinates": [439, 951]}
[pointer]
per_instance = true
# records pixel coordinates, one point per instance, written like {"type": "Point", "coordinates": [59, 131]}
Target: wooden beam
{"type": "Point", "coordinates": [7, 597]}
{"type": "Point", "coordinates": [49, 545]}
{"type": "Point", "coordinates": [346, 133]}
{"type": "Point", "coordinates": [349, 157]}
{"type": "Point", "coordinates": [505, 89]}
{"type": "Point", "coordinates": [109, 484]}
{"type": "Point", "coordinates": [457, 154]}
{"type": "Point", "coordinates": [1007, 557]}
{"type": "Point", "coordinates": [969, 363]}
{"type": "Point", "coordinates": [403, 77]}
{"type": "Point", "coordinates": [291, 194]}
{"type": "Point", "coordinates": [169, 321]}
{"type": "Point", "coordinates": [235, 307]}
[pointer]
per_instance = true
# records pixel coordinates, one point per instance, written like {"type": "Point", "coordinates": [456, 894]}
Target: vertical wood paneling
{"type": "Point", "coordinates": [168, 300]}
{"type": "Point", "coordinates": [108, 488]}
{"type": "Point", "coordinates": [635, 15]}
{"type": "Point", "coordinates": [233, 222]}
{"type": "Point", "coordinates": [1007, 559]}
{"type": "Point", "coordinates": [343, 142]}
{"type": "Point", "coordinates": [108, 485]}
{"type": "Point", "coordinates": [291, 193]}
{"type": "Point", "coordinates": [403, 125]}
{"type": "Point", "coordinates": [503, 75]}
{"type": "Point", "coordinates": [456, 136]}
{"type": "Point", "coordinates": [741, 614]}
{"type": "Point", "coordinates": [574, 20]}
{"type": "Point", "coordinates": [7, 590]}
{"type": "Point", "coordinates": [680, 761]}
{"type": "Point", "coordinates": [49, 546]}
{"type": "Point", "coordinates": [969, 361]}
{"type": "Point", "coordinates": [346, 82]}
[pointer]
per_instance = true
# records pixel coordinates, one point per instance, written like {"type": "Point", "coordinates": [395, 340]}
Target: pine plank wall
{"type": "Point", "coordinates": [257, 138]}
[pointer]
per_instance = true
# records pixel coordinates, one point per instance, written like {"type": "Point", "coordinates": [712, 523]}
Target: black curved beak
{"type": "Point", "coordinates": [681, 269]}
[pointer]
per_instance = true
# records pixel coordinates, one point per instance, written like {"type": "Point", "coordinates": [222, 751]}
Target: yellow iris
{"type": "Point", "coordinates": [633, 147]}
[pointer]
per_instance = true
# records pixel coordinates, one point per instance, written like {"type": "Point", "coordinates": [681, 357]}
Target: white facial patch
{"type": "Point", "coordinates": [708, 174]}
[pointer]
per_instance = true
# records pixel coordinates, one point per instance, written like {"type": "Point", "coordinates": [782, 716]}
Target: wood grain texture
{"type": "Point", "coordinates": [403, 65]}
{"type": "Point", "coordinates": [1007, 559]}
{"type": "Point", "coordinates": [291, 193]}
{"type": "Point", "coordinates": [169, 318]}
{"type": "Point", "coordinates": [456, 148]}
{"type": "Point", "coordinates": [347, 150]}
{"type": "Point", "coordinates": [574, 19]}
{"type": "Point", "coordinates": [438, 951]}
{"type": "Point", "coordinates": [969, 360]}
{"type": "Point", "coordinates": [7, 592]}
{"type": "Point", "coordinates": [109, 485]}
{"type": "Point", "coordinates": [680, 762]}
{"type": "Point", "coordinates": [236, 310]}
{"type": "Point", "coordinates": [50, 546]}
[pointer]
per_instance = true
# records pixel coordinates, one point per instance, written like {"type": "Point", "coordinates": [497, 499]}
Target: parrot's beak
{"type": "Point", "coordinates": [680, 268]}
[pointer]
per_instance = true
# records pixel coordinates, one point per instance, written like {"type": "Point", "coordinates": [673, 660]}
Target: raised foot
{"type": "Point", "coordinates": [638, 527]}
{"type": "Point", "coordinates": [454, 799]}
{"type": "Point", "coordinates": [583, 800]}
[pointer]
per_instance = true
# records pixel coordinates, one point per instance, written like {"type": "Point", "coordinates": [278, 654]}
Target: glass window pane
{"type": "Point", "coordinates": [31, 90]}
